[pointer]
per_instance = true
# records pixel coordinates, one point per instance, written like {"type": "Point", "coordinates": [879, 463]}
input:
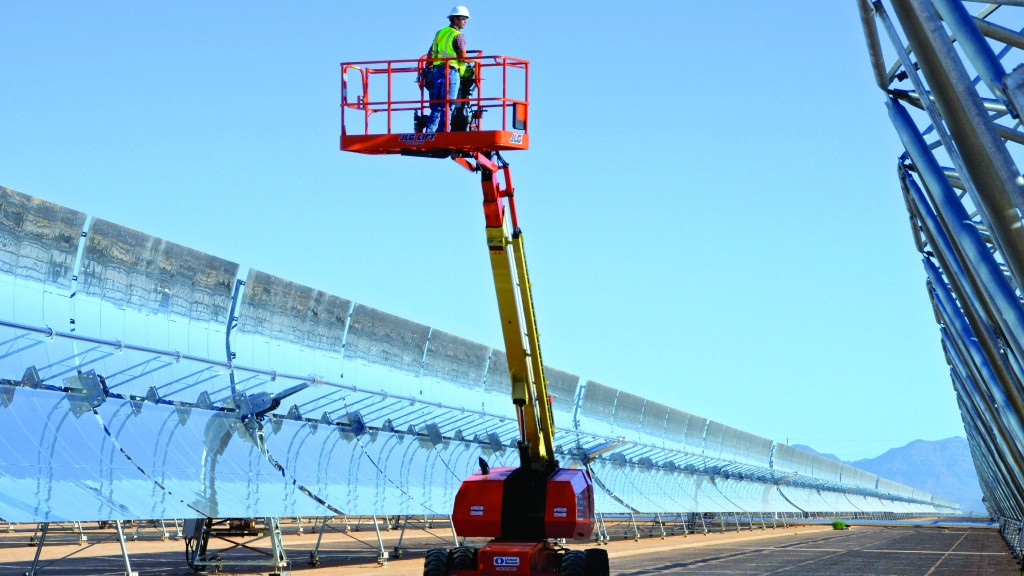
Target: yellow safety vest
{"type": "Point", "coordinates": [444, 47]}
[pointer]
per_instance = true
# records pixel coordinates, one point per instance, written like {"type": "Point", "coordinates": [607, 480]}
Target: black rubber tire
{"type": "Point", "coordinates": [597, 562]}
{"type": "Point", "coordinates": [436, 562]}
{"type": "Point", "coordinates": [464, 558]}
{"type": "Point", "coordinates": [574, 563]}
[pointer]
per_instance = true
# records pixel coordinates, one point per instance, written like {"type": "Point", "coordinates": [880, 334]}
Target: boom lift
{"type": "Point", "coordinates": [529, 508]}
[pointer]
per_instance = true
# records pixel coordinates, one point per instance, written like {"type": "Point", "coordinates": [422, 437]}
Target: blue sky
{"type": "Point", "coordinates": [710, 202]}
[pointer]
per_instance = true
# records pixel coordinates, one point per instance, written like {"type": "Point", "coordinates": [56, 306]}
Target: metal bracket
{"type": "Point", "coordinates": [183, 411]}
{"type": "Point", "coordinates": [31, 378]}
{"type": "Point", "coordinates": [262, 403]}
{"type": "Point", "coordinates": [6, 395]}
{"type": "Point", "coordinates": [430, 436]}
{"type": "Point", "coordinates": [352, 425]}
{"type": "Point", "coordinates": [1013, 84]}
{"type": "Point", "coordinates": [85, 392]}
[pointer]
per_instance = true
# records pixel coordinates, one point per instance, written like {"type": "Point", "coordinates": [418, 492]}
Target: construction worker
{"type": "Point", "coordinates": [449, 42]}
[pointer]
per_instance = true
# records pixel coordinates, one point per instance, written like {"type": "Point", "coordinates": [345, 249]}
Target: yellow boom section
{"type": "Point", "coordinates": [522, 346]}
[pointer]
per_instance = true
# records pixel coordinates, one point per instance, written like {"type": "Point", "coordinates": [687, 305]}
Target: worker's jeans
{"type": "Point", "coordinates": [437, 93]}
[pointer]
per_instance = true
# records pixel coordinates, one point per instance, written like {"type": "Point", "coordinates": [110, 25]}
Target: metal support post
{"type": "Point", "coordinates": [636, 531]}
{"type": "Point", "coordinates": [455, 537]}
{"type": "Point", "coordinates": [82, 538]}
{"type": "Point", "coordinates": [660, 524]}
{"type": "Point", "coordinates": [124, 550]}
{"type": "Point", "coordinates": [314, 554]}
{"type": "Point", "coordinates": [398, 546]}
{"type": "Point", "coordinates": [382, 558]}
{"type": "Point", "coordinates": [277, 546]}
{"type": "Point", "coordinates": [298, 525]}
{"type": "Point", "coordinates": [41, 529]}
{"type": "Point", "coordinates": [163, 530]}
{"type": "Point", "coordinates": [602, 529]}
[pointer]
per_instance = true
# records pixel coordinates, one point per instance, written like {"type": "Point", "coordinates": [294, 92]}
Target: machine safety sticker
{"type": "Point", "coordinates": [476, 510]}
{"type": "Point", "coordinates": [560, 512]}
{"type": "Point", "coordinates": [416, 138]}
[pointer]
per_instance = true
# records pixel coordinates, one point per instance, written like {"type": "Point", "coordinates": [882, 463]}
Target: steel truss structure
{"type": "Point", "coordinates": [141, 379]}
{"type": "Point", "coordinates": [958, 113]}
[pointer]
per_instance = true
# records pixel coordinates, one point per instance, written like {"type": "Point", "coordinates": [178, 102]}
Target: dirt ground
{"type": "Point", "coordinates": [351, 551]}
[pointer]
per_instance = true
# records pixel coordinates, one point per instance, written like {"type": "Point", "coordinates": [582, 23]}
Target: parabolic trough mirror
{"type": "Point", "coordinates": [142, 379]}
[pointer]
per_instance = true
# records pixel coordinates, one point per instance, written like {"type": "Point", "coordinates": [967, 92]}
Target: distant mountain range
{"type": "Point", "coordinates": [941, 467]}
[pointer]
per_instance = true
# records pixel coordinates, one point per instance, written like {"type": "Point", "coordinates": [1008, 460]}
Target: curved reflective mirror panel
{"type": "Point", "coordinates": [152, 381]}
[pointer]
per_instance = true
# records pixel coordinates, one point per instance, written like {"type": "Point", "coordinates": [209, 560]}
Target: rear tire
{"type": "Point", "coordinates": [597, 562]}
{"type": "Point", "coordinates": [436, 562]}
{"type": "Point", "coordinates": [464, 558]}
{"type": "Point", "coordinates": [574, 563]}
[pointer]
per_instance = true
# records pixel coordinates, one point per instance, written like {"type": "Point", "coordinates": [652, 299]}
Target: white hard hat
{"type": "Point", "coordinates": [459, 11]}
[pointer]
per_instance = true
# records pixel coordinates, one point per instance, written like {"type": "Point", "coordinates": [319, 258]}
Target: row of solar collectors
{"type": "Point", "coordinates": [955, 92]}
{"type": "Point", "coordinates": [151, 318]}
{"type": "Point", "coordinates": [131, 459]}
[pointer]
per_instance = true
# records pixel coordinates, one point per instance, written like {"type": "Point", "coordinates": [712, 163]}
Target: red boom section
{"type": "Point", "coordinates": [381, 100]}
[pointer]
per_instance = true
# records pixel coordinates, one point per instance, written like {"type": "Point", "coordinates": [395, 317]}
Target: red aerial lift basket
{"type": "Point", "coordinates": [382, 101]}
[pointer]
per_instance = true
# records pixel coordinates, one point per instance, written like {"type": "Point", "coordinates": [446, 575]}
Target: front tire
{"type": "Point", "coordinates": [436, 562]}
{"type": "Point", "coordinates": [574, 563]}
{"type": "Point", "coordinates": [596, 560]}
{"type": "Point", "coordinates": [464, 558]}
